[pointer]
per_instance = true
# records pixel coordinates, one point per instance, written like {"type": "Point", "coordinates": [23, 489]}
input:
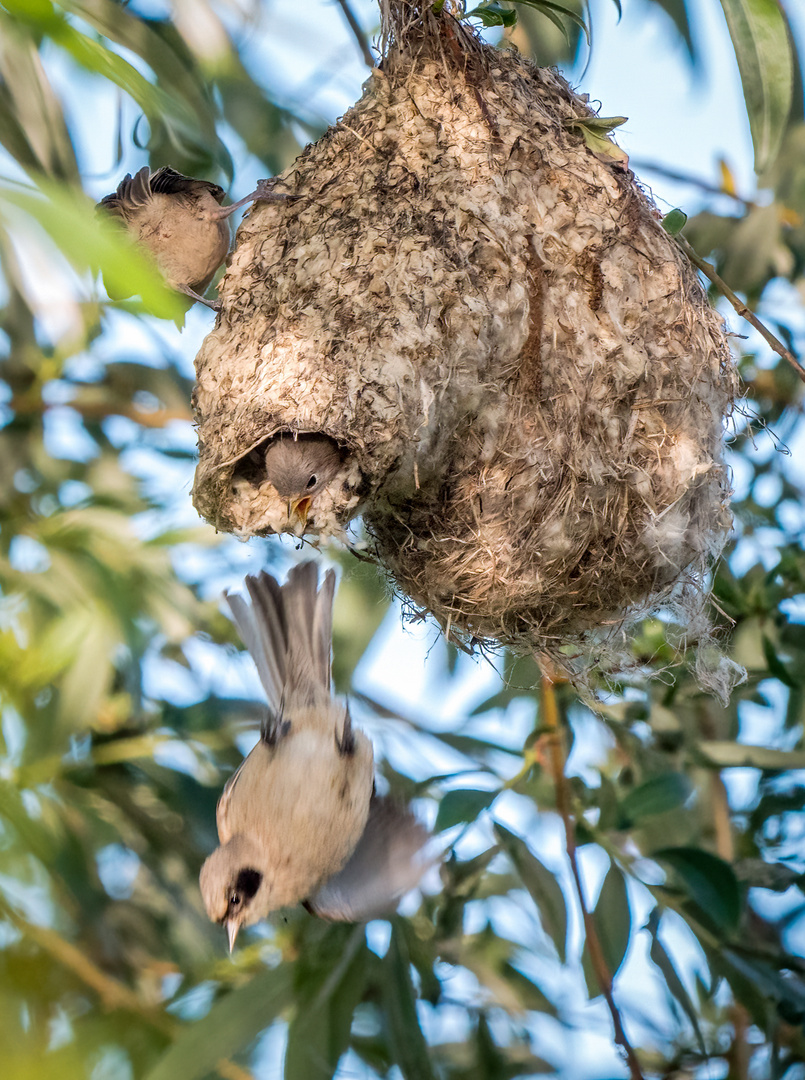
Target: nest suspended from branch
{"type": "Point", "coordinates": [522, 372]}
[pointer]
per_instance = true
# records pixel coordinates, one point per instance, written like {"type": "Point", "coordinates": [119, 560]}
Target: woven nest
{"type": "Point", "coordinates": [521, 370]}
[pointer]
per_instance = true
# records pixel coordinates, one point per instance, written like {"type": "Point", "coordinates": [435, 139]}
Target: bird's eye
{"type": "Point", "coordinates": [312, 481]}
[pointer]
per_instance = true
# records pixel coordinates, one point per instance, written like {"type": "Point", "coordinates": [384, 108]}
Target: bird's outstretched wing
{"type": "Point", "coordinates": [386, 864]}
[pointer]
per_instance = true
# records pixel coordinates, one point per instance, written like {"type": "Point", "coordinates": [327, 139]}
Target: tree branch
{"type": "Point", "coordinates": [360, 37]}
{"type": "Point", "coordinates": [549, 712]}
{"type": "Point", "coordinates": [710, 272]}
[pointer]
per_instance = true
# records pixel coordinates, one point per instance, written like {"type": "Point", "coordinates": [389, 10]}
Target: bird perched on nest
{"type": "Point", "coordinates": [299, 468]}
{"type": "Point", "coordinates": [299, 820]}
{"type": "Point", "coordinates": [180, 221]}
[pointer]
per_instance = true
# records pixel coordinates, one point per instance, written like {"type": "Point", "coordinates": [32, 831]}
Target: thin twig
{"type": "Point", "coordinates": [710, 272]}
{"type": "Point", "coordinates": [694, 181]}
{"type": "Point", "coordinates": [102, 410]}
{"type": "Point", "coordinates": [360, 37]}
{"type": "Point", "coordinates": [550, 721]}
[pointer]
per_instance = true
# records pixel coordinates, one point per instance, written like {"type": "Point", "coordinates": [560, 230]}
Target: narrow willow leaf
{"type": "Point", "coordinates": [709, 882]}
{"type": "Point", "coordinates": [613, 923]}
{"type": "Point", "coordinates": [462, 805]}
{"type": "Point", "coordinates": [399, 1001]}
{"type": "Point", "coordinates": [70, 222]}
{"type": "Point", "coordinates": [233, 1022]}
{"type": "Point", "coordinates": [493, 15]}
{"type": "Point", "coordinates": [731, 755]}
{"type": "Point", "coordinates": [674, 984]}
{"type": "Point", "coordinates": [545, 890]}
{"type": "Point", "coordinates": [655, 796]}
{"type": "Point", "coordinates": [763, 50]}
{"type": "Point", "coordinates": [319, 1033]}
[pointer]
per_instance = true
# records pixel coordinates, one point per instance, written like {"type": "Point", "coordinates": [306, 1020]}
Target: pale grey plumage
{"type": "Point", "coordinates": [298, 821]}
{"type": "Point", "coordinates": [180, 221]}
{"type": "Point", "coordinates": [386, 864]}
{"type": "Point", "coordinates": [300, 467]}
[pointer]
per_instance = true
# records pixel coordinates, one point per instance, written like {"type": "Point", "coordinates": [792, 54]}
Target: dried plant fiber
{"type": "Point", "coordinates": [523, 372]}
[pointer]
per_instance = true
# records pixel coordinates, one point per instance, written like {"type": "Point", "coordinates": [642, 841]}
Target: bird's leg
{"type": "Point", "coordinates": [264, 192]}
{"type": "Point", "coordinates": [215, 305]}
{"type": "Point", "coordinates": [346, 743]}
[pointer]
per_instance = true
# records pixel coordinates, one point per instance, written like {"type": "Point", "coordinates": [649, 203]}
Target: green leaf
{"type": "Point", "coordinates": [69, 219]}
{"type": "Point", "coordinates": [399, 1000]}
{"type": "Point", "coordinates": [674, 984]}
{"type": "Point", "coordinates": [595, 139]}
{"type": "Point", "coordinates": [763, 50]}
{"type": "Point", "coordinates": [553, 9]}
{"type": "Point", "coordinates": [674, 221]}
{"type": "Point", "coordinates": [655, 796]}
{"type": "Point", "coordinates": [775, 665]}
{"type": "Point", "coordinates": [613, 923]}
{"type": "Point", "coordinates": [709, 882]}
{"type": "Point", "coordinates": [319, 1033]}
{"type": "Point", "coordinates": [462, 805]}
{"type": "Point", "coordinates": [232, 1023]}
{"type": "Point", "coordinates": [492, 14]}
{"type": "Point", "coordinates": [545, 890]}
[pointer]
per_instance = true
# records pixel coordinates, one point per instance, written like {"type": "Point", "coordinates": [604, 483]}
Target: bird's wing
{"type": "Point", "coordinates": [385, 865]}
{"type": "Point", "coordinates": [225, 831]}
{"type": "Point", "coordinates": [132, 192]}
{"type": "Point", "coordinates": [263, 627]}
{"type": "Point", "coordinates": [167, 181]}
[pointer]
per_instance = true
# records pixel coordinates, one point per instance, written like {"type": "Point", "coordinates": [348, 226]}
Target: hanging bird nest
{"type": "Point", "coordinates": [522, 373]}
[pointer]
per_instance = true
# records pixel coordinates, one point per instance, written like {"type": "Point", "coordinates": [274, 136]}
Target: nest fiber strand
{"type": "Point", "coordinates": [523, 372]}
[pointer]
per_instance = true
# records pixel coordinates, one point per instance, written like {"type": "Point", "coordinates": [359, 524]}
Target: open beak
{"type": "Point", "coordinates": [300, 508]}
{"type": "Point", "coordinates": [232, 932]}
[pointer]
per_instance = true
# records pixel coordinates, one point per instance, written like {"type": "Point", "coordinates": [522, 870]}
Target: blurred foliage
{"type": "Point", "coordinates": [119, 673]}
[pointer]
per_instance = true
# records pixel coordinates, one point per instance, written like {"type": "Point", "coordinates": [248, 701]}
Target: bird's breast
{"type": "Point", "coordinates": [307, 803]}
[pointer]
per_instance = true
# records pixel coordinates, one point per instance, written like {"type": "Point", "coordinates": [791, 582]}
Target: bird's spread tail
{"type": "Point", "coordinates": [288, 631]}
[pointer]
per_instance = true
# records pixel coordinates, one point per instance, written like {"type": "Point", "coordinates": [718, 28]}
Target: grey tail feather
{"type": "Point", "coordinates": [288, 631]}
{"type": "Point", "coordinates": [309, 615]}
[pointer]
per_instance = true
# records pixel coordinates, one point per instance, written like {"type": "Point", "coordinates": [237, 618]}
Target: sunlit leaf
{"type": "Point", "coordinates": [762, 46]}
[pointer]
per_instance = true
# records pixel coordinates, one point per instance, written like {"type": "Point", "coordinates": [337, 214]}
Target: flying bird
{"type": "Point", "coordinates": [181, 222]}
{"type": "Point", "coordinates": [299, 468]}
{"type": "Point", "coordinates": [300, 821]}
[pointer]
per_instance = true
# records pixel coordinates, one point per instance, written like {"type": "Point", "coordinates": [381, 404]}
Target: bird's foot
{"type": "Point", "coordinates": [264, 192]}
{"type": "Point", "coordinates": [214, 305]}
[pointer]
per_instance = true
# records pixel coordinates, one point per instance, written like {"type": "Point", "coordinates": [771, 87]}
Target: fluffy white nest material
{"type": "Point", "coordinates": [522, 370]}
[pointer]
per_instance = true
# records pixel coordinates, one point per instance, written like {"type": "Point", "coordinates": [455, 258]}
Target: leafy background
{"type": "Point", "coordinates": [125, 703]}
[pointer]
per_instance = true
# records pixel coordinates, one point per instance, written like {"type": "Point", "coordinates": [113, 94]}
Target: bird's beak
{"type": "Point", "coordinates": [300, 508]}
{"type": "Point", "coordinates": [232, 932]}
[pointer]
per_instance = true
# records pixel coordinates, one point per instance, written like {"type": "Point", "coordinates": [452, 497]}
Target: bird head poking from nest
{"type": "Point", "coordinates": [522, 372]}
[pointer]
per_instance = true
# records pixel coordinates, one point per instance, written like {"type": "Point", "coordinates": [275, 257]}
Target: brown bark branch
{"type": "Point", "coordinates": [710, 272]}
{"type": "Point", "coordinates": [100, 410]}
{"type": "Point", "coordinates": [360, 37]}
{"type": "Point", "coordinates": [549, 713]}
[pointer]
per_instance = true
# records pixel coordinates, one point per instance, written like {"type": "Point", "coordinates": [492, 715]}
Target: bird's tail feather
{"type": "Point", "coordinates": [288, 631]}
